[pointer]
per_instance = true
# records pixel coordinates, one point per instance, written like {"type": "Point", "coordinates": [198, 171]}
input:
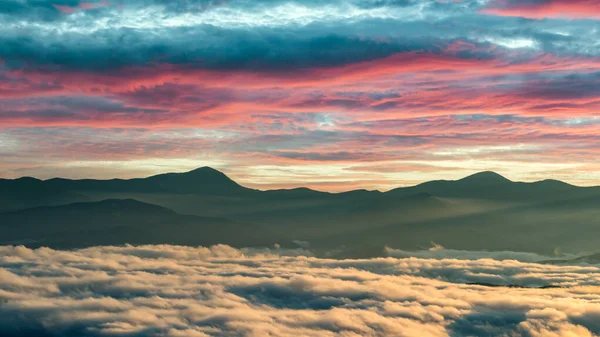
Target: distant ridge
{"type": "Point", "coordinates": [30, 192]}
{"type": "Point", "coordinates": [204, 180]}
{"type": "Point", "coordinates": [204, 206]}
{"type": "Point", "coordinates": [105, 207]}
{"type": "Point", "coordinates": [210, 180]}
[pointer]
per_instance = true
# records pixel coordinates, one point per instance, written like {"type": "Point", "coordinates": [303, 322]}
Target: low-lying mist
{"type": "Point", "coordinates": [164, 290]}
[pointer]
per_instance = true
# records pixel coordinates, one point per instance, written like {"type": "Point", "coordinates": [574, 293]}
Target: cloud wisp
{"type": "Point", "coordinates": [221, 291]}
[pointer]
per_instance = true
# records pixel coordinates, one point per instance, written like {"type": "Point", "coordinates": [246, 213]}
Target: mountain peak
{"type": "Point", "coordinates": [486, 177]}
{"type": "Point", "coordinates": [204, 170]}
{"type": "Point", "coordinates": [201, 180]}
{"type": "Point", "coordinates": [30, 179]}
{"type": "Point", "coordinates": [208, 173]}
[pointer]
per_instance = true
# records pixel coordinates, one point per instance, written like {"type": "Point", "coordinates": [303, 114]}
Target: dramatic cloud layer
{"type": "Point", "coordinates": [276, 92]}
{"type": "Point", "coordinates": [221, 291]}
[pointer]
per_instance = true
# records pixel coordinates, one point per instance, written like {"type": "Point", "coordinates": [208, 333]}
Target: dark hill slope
{"type": "Point", "coordinates": [30, 192]}
{"type": "Point", "coordinates": [481, 211]}
{"type": "Point", "coordinates": [571, 226]}
{"type": "Point", "coordinates": [492, 186]}
{"type": "Point", "coordinates": [121, 221]}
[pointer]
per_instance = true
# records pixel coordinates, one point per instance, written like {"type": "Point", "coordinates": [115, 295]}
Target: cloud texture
{"type": "Point", "coordinates": [221, 291]}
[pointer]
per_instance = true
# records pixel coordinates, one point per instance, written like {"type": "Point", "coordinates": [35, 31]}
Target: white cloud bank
{"type": "Point", "coordinates": [220, 291]}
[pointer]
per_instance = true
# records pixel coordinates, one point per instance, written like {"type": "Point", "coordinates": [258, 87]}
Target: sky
{"type": "Point", "coordinates": [333, 95]}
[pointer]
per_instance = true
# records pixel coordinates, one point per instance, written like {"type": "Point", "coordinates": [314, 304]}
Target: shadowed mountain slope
{"type": "Point", "coordinates": [30, 192]}
{"type": "Point", "coordinates": [112, 221]}
{"type": "Point", "coordinates": [481, 211]}
{"type": "Point", "coordinates": [571, 226]}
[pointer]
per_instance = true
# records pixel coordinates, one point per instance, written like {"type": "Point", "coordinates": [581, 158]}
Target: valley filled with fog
{"type": "Point", "coordinates": [165, 290]}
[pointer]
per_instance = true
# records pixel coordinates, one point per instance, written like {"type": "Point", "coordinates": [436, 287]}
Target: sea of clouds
{"type": "Point", "coordinates": [221, 291]}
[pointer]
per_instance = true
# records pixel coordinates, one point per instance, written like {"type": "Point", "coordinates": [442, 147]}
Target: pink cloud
{"type": "Point", "coordinates": [424, 84]}
{"type": "Point", "coordinates": [81, 6]}
{"type": "Point", "coordinates": [575, 9]}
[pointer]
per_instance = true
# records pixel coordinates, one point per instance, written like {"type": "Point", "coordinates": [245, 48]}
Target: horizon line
{"type": "Point", "coordinates": [472, 175]}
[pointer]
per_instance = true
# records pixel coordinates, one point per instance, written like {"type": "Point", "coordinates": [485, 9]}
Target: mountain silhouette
{"type": "Point", "coordinates": [29, 192]}
{"type": "Point", "coordinates": [204, 206]}
{"type": "Point", "coordinates": [204, 180]}
{"type": "Point", "coordinates": [493, 186]}
{"type": "Point", "coordinates": [485, 178]}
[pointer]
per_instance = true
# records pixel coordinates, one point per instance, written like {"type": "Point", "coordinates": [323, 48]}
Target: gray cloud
{"type": "Point", "coordinates": [267, 35]}
{"type": "Point", "coordinates": [219, 48]}
{"type": "Point", "coordinates": [220, 291]}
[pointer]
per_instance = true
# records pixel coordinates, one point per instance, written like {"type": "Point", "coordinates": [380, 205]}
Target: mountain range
{"type": "Point", "coordinates": [484, 211]}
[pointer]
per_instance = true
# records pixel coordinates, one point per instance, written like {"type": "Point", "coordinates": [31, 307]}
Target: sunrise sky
{"type": "Point", "coordinates": [333, 95]}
